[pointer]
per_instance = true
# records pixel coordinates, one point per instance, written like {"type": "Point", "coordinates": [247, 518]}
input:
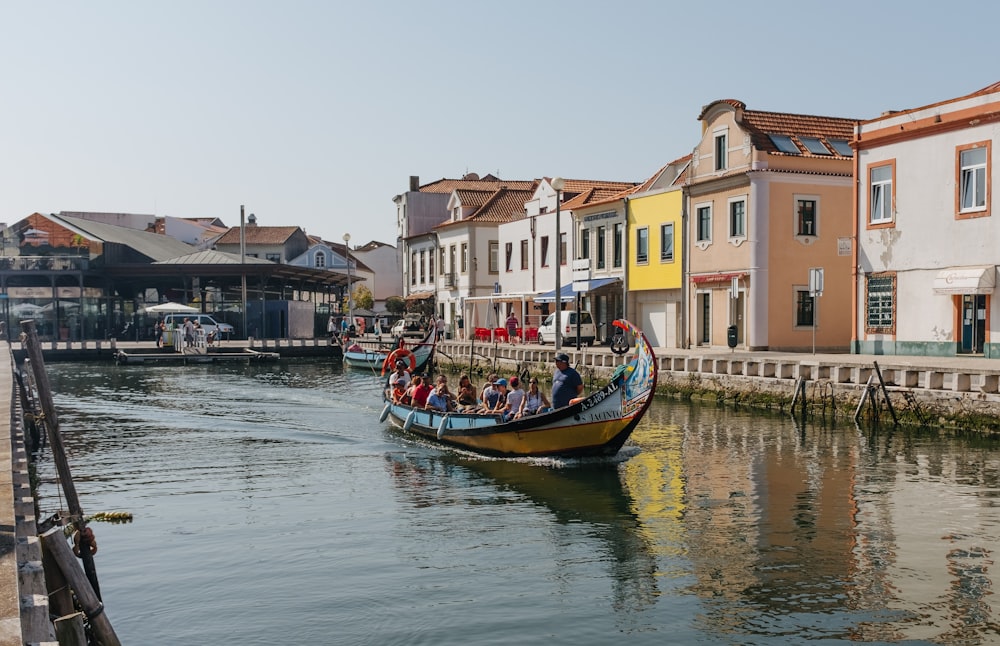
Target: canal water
{"type": "Point", "coordinates": [271, 507]}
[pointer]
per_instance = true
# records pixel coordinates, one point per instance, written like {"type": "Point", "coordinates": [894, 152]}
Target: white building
{"type": "Point", "coordinates": [927, 242]}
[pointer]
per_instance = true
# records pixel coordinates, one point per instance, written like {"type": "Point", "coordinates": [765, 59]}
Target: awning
{"type": "Point", "coordinates": [501, 298]}
{"type": "Point", "coordinates": [566, 294]}
{"type": "Point", "coordinates": [419, 296]}
{"type": "Point", "coordinates": [976, 279]}
{"type": "Point", "coordinates": [717, 278]}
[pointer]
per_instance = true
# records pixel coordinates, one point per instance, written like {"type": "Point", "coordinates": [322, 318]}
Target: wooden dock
{"type": "Point", "coordinates": [195, 355]}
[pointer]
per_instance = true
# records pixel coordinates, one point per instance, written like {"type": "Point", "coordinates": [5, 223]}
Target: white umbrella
{"type": "Point", "coordinates": [28, 310]}
{"type": "Point", "coordinates": [171, 308]}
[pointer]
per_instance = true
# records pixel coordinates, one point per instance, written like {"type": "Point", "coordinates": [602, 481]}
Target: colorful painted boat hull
{"type": "Point", "coordinates": [598, 425]}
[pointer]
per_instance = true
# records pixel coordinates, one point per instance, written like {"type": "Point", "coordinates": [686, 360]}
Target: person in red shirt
{"type": "Point", "coordinates": [420, 390]}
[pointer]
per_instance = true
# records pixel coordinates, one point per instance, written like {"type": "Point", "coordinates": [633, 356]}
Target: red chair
{"type": "Point", "coordinates": [532, 335]}
{"type": "Point", "coordinates": [482, 334]}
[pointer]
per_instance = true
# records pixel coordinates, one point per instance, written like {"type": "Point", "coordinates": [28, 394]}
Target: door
{"type": "Point", "coordinates": [973, 323]}
{"type": "Point", "coordinates": [703, 322]}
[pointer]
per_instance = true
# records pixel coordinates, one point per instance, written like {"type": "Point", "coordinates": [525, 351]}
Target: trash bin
{"type": "Point", "coordinates": [731, 336]}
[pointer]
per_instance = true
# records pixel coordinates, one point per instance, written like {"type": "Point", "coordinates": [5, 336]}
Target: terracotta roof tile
{"type": "Point", "coordinates": [502, 205]}
{"type": "Point", "coordinates": [258, 235]}
{"type": "Point", "coordinates": [760, 124]}
{"type": "Point", "coordinates": [488, 184]}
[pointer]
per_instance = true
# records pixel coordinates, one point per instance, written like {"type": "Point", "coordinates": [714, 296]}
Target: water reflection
{"type": "Point", "coordinates": [573, 493]}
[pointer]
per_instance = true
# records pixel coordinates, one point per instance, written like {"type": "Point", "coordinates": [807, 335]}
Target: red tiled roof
{"type": "Point", "coordinates": [760, 123]}
{"type": "Point", "coordinates": [502, 205]}
{"type": "Point", "coordinates": [488, 184]}
{"type": "Point", "coordinates": [258, 235]}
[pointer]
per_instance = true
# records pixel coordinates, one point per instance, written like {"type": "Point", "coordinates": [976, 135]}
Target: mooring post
{"type": "Point", "coordinates": [885, 393]}
{"type": "Point", "coordinates": [51, 421]}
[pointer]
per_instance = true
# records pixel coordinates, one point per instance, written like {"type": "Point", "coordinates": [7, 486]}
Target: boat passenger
{"type": "Point", "coordinates": [398, 394]}
{"type": "Point", "coordinates": [400, 373]}
{"type": "Point", "coordinates": [566, 382]}
{"type": "Point", "coordinates": [535, 400]}
{"type": "Point", "coordinates": [420, 390]}
{"type": "Point", "coordinates": [496, 400]}
{"type": "Point", "coordinates": [438, 400]}
{"type": "Point", "coordinates": [487, 388]}
{"type": "Point", "coordinates": [442, 381]}
{"type": "Point", "coordinates": [466, 392]}
{"type": "Point", "coordinates": [515, 396]}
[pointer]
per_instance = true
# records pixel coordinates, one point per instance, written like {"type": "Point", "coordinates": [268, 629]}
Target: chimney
{"type": "Point", "coordinates": [414, 182]}
{"type": "Point", "coordinates": [252, 220]}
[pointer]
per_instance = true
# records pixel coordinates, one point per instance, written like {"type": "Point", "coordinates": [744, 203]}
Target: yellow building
{"type": "Point", "coordinates": [655, 276]}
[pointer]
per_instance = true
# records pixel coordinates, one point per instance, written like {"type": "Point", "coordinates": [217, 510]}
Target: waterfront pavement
{"type": "Point", "coordinates": [12, 593]}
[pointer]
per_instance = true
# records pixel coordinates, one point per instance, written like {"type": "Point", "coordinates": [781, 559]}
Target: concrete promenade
{"type": "Point", "coordinates": [23, 601]}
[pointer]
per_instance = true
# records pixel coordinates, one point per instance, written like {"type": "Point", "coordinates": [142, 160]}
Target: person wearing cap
{"type": "Point", "coordinates": [566, 382]}
{"type": "Point", "coordinates": [400, 373]}
{"type": "Point", "coordinates": [496, 399]}
{"type": "Point", "coordinates": [485, 393]}
{"type": "Point", "coordinates": [398, 393]}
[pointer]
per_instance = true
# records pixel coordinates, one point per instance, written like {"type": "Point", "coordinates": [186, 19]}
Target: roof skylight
{"type": "Point", "coordinates": [842, 147]}
{"type": "Point", "coordinates": [785, 144]}
{"type": "Point", "coordinates": [814, 145]}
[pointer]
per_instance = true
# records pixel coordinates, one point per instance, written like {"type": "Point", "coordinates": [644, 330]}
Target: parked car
{"type": "Point", "coordinates": [567, 328]}
{"type": "Point", "coordinates": [409, 325]}
{"type": "Point", "coordinates": [207, 323]}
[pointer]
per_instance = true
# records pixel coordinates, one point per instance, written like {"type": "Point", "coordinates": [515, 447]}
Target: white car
{"type": "Point", "coordinates": [547, 330]}
{"type": "Point", "coordinates": [409, 325]}
{"type": "Point", "coordinates": [207, 323]}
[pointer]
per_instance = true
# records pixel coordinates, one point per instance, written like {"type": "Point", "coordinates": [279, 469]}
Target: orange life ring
{"type": "Point", "coordinates": [396, 355]}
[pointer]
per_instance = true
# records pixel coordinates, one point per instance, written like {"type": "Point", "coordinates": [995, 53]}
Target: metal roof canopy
{"type": "Point", "coordinates": [567, 295]}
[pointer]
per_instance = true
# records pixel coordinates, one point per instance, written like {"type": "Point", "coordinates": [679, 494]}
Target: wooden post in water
{"type": "Point", "coordinates": [55, 542]}
{"type": "Point", "coordinates": [51, 420]}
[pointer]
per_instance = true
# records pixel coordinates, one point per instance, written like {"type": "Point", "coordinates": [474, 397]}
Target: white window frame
{"type": "Point", "coordinates": [805, 238]}
{"type": "Point", "coordinates": [664, 258]}
{"type": "Point", "coordinates": [880, 194]}
{"type": "Point", "coordinates": [641, 258]}
{"type": "Point", "coordinates": [720, 153]}
{"type": "Point", "coordinates": [975, 173]}
{"type": "Point", "coordinates": [702, 243]}
{"type": "Point", "coordinates": [737, 238]}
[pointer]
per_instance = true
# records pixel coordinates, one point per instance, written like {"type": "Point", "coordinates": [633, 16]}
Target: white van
{"type": "Point", "coordinates": [547, 330]}
{"type": "Point", "coordinates": [207, 323]}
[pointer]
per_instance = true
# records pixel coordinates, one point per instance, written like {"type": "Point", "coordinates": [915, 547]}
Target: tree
{"type": "Point", "coordinates": [363, 298]}
{"type": "Point", "coordinates": [395, 305]}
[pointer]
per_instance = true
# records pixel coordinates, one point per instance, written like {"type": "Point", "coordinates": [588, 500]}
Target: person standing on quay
{"type": "Point", "coordinates": [511, 327]}
{"type": "Point", "coordinates": [566, 382]}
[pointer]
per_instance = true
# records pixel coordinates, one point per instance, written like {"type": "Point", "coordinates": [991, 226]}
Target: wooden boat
{"type": "Point", "coordinates": [415, 354]}
{"type": "Point", "coordinates": [595, 425]}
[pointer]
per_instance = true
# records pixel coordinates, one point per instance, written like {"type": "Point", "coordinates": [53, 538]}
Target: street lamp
{"type": "Point", "coordinates": [558, 183]}
{"type": "Point", "coordinates": [350, 295]}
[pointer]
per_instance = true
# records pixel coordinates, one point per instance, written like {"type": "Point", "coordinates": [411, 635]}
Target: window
{"type": "Point", "coordinates": [423, 265]}
{"type": "Point", "coordinates": [617, 242]}
{"type": "Point", "coordinates": [465, 257]}
{"type": "Point", "coordinates": [806, 221]}
{"type": "Point", "coordinates": [413, 268]}
{"type": "Point", "coordinates": [814, 145]}
{"type": "Point", "coordinates": [721, 151]}
{"type": "Point", "coordinates": [494, 257]}
{"type": "Point", "coordinates": [667, 242]}
{"type": "Point", "coordinates": [881, 198]}
{"type": "Point", "coordinates": [430, 266]}
{"type": "Point", "coordinates": [785, 144]}
{"type": "Point", "coordinates": [443, 266]}
{"type": "Point", "coordinates": [319, 260]}
{"type": "Point", "coordinates": [545, 251]}
{"type": "Point", "coordinates": [508, 250]}
{"type": "Point", "coordinates": [562, 249]}
{"type": "Point", "coordinates": [642, 246]}
{"type": "Point", "coordinates": [601, 250]}
{"type": "Point", "coordinates": [842, 147]}
{"type": "Point", "coordinates": [738, 219]}
{"type": "Point", "coordinates": [451, 259]}
{"type": "Point", "coordinates": [704, 223]}
{"type": "Point", "coordinates": [880, 303]}
{"type": "Point", "coordinates": [524, 254]}
{"type": "Point", "coordinates": [973, 163]}
{"type": "Point", "coordinates": [804, 308]}
{"type": "Point", "coordinates": [273, 257]}
{"type": "Point", "coordinates": [585, 243]}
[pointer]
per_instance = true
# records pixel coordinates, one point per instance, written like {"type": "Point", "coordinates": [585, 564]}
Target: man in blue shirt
{"type": "Point", "coordinates": [566, 382]}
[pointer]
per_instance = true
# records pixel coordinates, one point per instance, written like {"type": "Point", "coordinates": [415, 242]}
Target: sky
{"type": "Point", "coordinates": [316, 113]}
